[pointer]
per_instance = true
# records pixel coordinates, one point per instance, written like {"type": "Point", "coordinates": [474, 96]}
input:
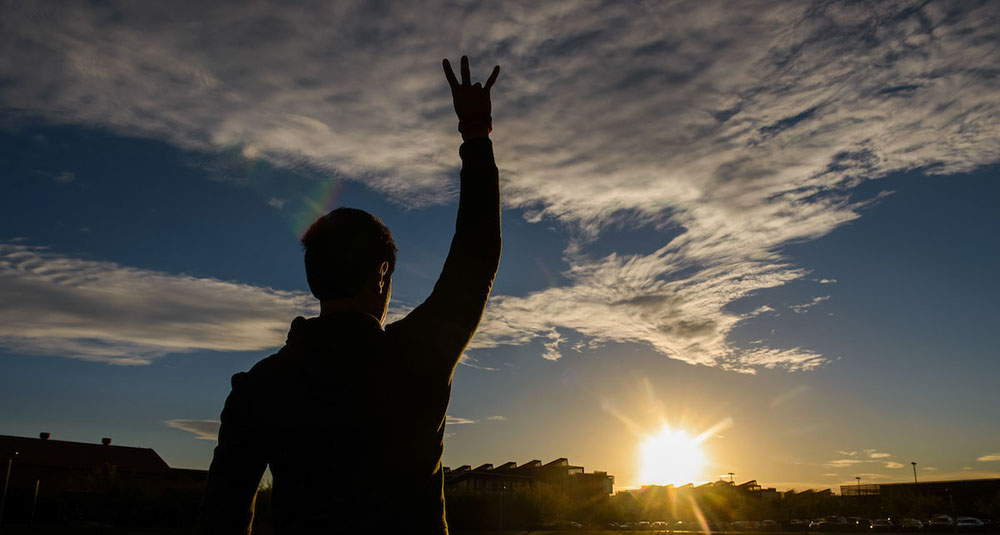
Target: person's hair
{"type": "Point", "coordinates": [342, 249]}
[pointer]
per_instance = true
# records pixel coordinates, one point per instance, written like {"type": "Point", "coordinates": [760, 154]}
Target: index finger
{"type": "Point", "coordinates": [449, 74]}
{"type": "Point", "coordinates": [493, 78]}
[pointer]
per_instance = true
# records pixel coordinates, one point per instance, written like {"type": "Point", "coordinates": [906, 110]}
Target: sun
{"type": "Point", "coordinates": [670, 457]}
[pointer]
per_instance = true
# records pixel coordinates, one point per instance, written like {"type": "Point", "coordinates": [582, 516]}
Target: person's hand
{"type": "Point", "coordinates": [472, 101]}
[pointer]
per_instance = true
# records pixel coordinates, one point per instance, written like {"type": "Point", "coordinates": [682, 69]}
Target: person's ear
{"type": "Point", "coordinates": [382, 271]}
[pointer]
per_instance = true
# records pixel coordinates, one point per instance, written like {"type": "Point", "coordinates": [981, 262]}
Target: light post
{"type": "Point", "coordinates": [503, 487]}
{"type": "Point", "coordinates": [731, 478]}
{"type": "Point", "coordinates": [859, 490]}
{"type": "Point", "coordinates": [914, 463]}
{"type": "Point", "coordinates": [34, 502]}
{"type": "Point", "coordinates": [6, 480]}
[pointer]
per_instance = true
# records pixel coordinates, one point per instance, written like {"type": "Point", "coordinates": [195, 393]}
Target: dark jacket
{"type": "Point", "coordinates": [350, 416]}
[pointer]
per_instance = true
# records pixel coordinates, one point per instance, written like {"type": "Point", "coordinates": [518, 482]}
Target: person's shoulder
{"type": "Point", "coordinates": [267, 366]}
{"type": "Point", "coordinates": [273, 365]}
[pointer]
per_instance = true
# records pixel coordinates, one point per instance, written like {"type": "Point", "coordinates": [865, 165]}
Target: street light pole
{"type": "Point", "coordinates": [503, 487]}
{"type": "Point", "coordinates": [914, 463]}
{"type": "Point", "coordinates": [730, 478]}
{"type": "Point", "coordinates": [6, 480]}
{"type": "Point", "coordinates": [34, 502]}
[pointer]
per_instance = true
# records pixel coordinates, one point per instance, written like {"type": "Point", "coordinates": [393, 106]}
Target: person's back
{"type": "Point", "coordinates": [350, 424]}
{"type": "Point", "coordinates": [350, 415]}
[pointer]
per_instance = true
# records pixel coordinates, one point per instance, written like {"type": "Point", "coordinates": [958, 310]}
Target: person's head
{"type": "Point", "coordinates": [350, 256]}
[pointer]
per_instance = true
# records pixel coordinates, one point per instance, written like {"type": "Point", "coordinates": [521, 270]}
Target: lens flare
{"type": "Point", "coordinates": [670, 457]}
{"type": "Point", "coordinates": [323, 200]}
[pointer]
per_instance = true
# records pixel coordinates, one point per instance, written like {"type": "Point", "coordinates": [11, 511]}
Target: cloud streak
{"type": "Point", "coordinates": [105, 312]}
{"type": "Point", "coordinates": [202, 429]}
{"type": "Point", "coordinates": [456, 420]}
{"type": "Point", "coordinates": [842, 463]}
{"type": "Point", "coordinates": [743, 128]}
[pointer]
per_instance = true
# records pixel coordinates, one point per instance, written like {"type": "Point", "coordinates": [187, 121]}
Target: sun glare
{"type": "Point", "coordinates": [670, 457]}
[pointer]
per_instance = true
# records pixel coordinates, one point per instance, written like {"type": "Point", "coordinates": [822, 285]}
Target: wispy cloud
{"type": "Point", "coordinates": [102, 311]}
{"type": "Point", "coordinates": [202, 429]}
{"type": "Point", "coordinates": [472, 362]}
{"type": "Point", "coordinates": [455, 420]}
{"type": "Point", "coordinates": [785, 397]}
{"type": "Point", "coordinates": [743, 127]}
{"type": "Point", "coordinates": [497, 418]}
{"type": "Point", "coordinates": [989, 457]}
{"type": "Point", "coordinates": [856, 457]}
{"type": "Point", "coordinates": [842, 463]}
{"type": "Point", "coordinates": [799, 309]}
{"type": "Point", "coordinates": [626, 299]}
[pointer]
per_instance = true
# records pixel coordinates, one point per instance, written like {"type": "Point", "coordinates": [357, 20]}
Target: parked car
{"type": "Point", "coordinates": [861, 524]}
{"type": "Point", "coordinates": [769, 525]}
{"type": "Point", "coordinates": [830, 523]}
{"type": "Point", "coordinates": [746, 525]}
{"type": "Point", "coordinates": [968, 523]}
{"type": "Point", "coordinates": [941, 523]}
{"type": "Point", "coordinates": [797, 524]}
{"type": "Point", "coordinates": [910, 525]}
{"type": "Point", "coordinates": [883, 525]}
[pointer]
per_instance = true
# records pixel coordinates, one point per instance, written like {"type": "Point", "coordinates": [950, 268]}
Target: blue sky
{"type": "Point", "coordinates": [774, 222]}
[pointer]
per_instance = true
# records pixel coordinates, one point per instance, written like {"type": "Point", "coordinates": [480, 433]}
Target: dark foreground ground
{"type": "Point", "coordinates": [105, 530]}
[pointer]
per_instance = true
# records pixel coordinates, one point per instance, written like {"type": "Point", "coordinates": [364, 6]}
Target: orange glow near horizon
{"type": "Point", "coordinates": [670, 456]}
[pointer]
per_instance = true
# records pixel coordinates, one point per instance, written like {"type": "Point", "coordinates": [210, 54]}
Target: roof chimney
{"type": "Point", "coordinates": [44, 436]}
{"type": "Point", "coordinates": [106, 441]}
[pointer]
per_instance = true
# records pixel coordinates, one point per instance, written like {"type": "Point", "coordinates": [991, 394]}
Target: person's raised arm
{"type": "Point", "coordinates": [441, 327]}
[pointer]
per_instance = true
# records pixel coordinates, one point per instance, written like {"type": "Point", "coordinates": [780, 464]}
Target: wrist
{"type": "Point", "coordinates": [476, 128]}
{"type": "Point", "coordinates": [477, 133]}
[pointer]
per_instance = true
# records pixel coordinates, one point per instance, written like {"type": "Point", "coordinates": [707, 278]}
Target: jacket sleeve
{"type": "Point", "coordinates": [236, 468]}
{"type": "Point", "coordinates": [438, 330]}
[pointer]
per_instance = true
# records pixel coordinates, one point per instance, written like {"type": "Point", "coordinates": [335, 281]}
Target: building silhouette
{"type": "Point", "coordinates": [487, 479]}
{"type": "Point", "coordinates": [54, 481]}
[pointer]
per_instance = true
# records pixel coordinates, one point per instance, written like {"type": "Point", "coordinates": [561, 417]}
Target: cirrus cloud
{"type": "Point", "coordinates": [745, 127]}
{"type": "Point", "coordinates": [103, 311]}
{"type": "Point", "coordinates": [456, 420]}
{"type": "Point", "coordinates": [202, 429]}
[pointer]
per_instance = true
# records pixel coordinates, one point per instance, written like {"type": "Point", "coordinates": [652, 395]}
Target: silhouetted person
{"type": "Point", "coordinates": [349, 414]}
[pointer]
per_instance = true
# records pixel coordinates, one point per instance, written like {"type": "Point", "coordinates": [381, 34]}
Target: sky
{"type": "Point", "coordinates": [768, 225]}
